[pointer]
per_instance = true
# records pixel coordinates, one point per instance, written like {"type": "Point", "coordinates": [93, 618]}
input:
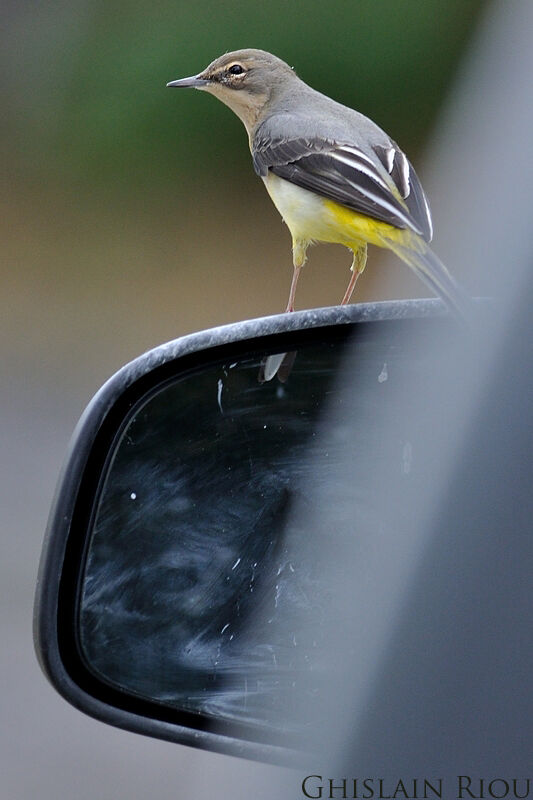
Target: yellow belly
{"type": "Point", "coordinates": [312, 218]}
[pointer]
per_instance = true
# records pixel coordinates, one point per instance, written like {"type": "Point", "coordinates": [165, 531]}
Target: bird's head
{"type": "Point", "coordinates": [244, 80]}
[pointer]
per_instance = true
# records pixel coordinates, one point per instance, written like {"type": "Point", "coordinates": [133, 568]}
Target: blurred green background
{"type": "Point", "coordinates": [128, 206]}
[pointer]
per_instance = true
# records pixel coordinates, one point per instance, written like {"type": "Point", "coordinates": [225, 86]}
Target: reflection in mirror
{"type": "Point", "coordinates": [203, 587]}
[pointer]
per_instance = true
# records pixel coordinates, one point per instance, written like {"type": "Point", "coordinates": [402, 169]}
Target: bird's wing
{"type": "Point", "coordinates": [383, 185]}
{"type": "Point", "coordinates": [406, 180]}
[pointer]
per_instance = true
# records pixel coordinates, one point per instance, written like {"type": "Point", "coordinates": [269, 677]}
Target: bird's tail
{"type": "Point", "coordinates": [429, 268]}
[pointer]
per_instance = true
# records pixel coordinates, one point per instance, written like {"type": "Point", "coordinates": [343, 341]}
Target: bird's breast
{"type": "Point", "coordinates": [302, 210]}
{"type": "Point", "coordinates": [311, 217]}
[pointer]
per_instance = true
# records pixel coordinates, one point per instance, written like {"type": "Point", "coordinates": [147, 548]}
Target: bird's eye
{"type": "Point", "coordinates": [236, 69]}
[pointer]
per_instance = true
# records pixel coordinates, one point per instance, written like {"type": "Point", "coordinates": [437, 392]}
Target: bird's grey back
{"type": "Point", "coordinates": [297, 111]}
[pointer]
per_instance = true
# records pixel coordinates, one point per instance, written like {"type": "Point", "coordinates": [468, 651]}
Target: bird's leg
{"type": "Point", "coordinates": [292, 293]}
{"type": "Point", "coordinates": [280, 364]}
{"type": "Point", "coordinates": [358, 265]}
{"type": "Point", "coordinates": [298, 259]}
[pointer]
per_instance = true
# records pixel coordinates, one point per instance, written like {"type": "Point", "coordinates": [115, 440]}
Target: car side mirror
{"type": "Point", "coordinates": [182, 592]}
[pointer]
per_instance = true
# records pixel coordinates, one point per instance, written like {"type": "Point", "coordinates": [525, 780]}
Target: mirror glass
{"type": "Point", "coordinates": [204, 587]}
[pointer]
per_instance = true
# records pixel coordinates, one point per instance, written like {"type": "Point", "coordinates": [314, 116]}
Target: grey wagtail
{"type": "Point", "coordinates": [331, 172]}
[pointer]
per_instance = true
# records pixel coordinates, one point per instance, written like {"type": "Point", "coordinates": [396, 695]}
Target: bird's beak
{"type": "Point", "coordinates": [194, 82]}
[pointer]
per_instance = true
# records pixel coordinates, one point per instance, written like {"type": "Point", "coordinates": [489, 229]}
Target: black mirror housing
{"type": "Point", "coordinates": [63, 598]}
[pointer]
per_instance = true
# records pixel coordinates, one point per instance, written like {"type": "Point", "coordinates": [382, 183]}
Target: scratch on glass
{"type": "Point", "coordinates": [219, 394]}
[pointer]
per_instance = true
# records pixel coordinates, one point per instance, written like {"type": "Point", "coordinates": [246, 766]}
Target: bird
{"type": "Point", "coordinates": [333, 174]}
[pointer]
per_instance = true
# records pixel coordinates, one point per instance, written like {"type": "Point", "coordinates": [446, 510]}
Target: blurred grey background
{"type": "Point", "coordinates": [131, 215]}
